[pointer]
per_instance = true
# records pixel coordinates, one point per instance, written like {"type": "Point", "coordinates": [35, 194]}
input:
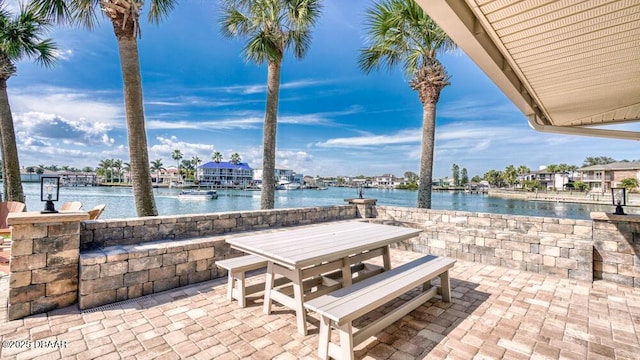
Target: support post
{"type": "Point", "coordinates": [45, 249]}
{"type": "Point", "coordinates": [366, 207]}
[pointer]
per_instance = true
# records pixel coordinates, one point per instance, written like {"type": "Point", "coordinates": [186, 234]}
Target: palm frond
{"type": "Point", "coordinates": [400, 34]}
{"type": "Point", "coordinates": [160, 9]}
{"type": "Point", "coordinates": [271, 27]}
{"type": "Point", "coordinates": [234, 23]}
{"type": "Point", "coordinates": [20, 37]}
{"type": "Point", "coordinates": [60, 11]}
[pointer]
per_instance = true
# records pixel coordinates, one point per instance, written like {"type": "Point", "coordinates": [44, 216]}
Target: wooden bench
{"type": "Point", "coordinates": [237, 268]}
{"type": "Point", "coordinates": [339, 308]}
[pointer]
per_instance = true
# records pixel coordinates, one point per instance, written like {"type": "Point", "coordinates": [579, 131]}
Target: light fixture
{"type": "Point", "coordinates": [360, 190]}
{"type": "Point", "coordinates": [619, 199]}
{"type": "Point", "coordinates": [49, 192]}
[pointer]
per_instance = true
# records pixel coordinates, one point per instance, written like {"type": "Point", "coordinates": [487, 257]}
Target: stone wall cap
{"type": "Point", "coordinates": [602, 216]}
{"type": "Point", "coordinates": [35, 217]}
{"type": "Point", "coordinates": [361, 201]}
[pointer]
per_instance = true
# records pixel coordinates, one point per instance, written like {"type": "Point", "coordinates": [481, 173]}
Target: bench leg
{"type": "Point", "coordinates": [268, 286]}
{"type": "Point", "coordinates": [346, 341]}
{"type": "Point", "coordinates": [230, 284]}
{"type": "Point", "coordinates": [324, 337]}
{"type": "Point", "coordinates": [241, 290]}
{"type": "Point", "coordinates": [445, 286]}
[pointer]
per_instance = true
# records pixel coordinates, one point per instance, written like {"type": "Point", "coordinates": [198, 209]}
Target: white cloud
{"type": "Point", "coordinates": [262, 88]}
{"type": "Point", "coordinates": [63, 54]}
{"type": "Point", "coordinates": [209, 125]}
{"type": "Point", "coordinates": [50, 128]}
{"type": "Point", "coordinates": [71, 104]}
{"type": "Point", "coordinates": [166, 146]}
{"type": "Point", "coordinates": [400, 137]}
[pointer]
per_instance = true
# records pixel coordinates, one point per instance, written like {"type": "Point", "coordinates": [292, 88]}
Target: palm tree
{"type": "Point", "coordinates": [126, 167]}
{"type": "Point", "coordinates": [125, 16]}
{"type": "Point", "coordinates": [235, 158]}
{"type": "Point", "coordinates": [195, 161]}
{"type": "Point", "coordinates": [510, 175]}
{"type": "Point", "coordinates": [523, 170]}
{"type": "Point", "coordinates": [117, 166]}
{"type": "Point", "coordinates": [177, 156]}
{"type": "Point", "coordinates": [187, 166]}
{"type": "Point", "coordinates": [156, 166]}
{"type": "Point", "coordinates": [20, 38]}
{"type": "Point", "coordinates": [271, 27]}
{"type": "Point", "coordinates": [216, 157]}
{"type": "Point", "coordinates": [401, 34]}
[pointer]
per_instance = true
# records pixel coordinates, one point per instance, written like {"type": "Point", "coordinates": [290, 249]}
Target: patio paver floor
{"type": "Point", "coordinates": [495, 313]}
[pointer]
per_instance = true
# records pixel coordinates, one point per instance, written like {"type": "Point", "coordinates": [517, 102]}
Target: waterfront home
{"type": "Point", "coordinates": [546, 178]}
{"type": "Point", "coordinates": [386, 181]}
{"type": "Point", "coordinates": [225, 174]}
{"type": "Point", "coordinates": [281, 175]}
{"type": "Point", "coordinates": [601, 178]}
{"type": "Point", "coordinates": [166, 177]}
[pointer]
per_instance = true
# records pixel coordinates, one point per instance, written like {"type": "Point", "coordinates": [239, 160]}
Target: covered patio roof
{"type": "Point", "coordinates": [571, 67]}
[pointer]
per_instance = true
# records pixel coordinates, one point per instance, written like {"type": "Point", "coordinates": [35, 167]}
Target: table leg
{"type": "Point", "coordinates": [386, 257]}
{"type": "Point", "coordinates": [268, 286]}
{"type": "Point", "coordinates": [298, 295]}
{"type": "Point", "coordinates": [347, 279]}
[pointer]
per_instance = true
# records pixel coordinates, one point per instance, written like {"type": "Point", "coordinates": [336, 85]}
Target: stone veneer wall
{"type": "Point", "coordinates": [44, 262]}
{"type": "Point", "coordinates": [561, 247]}
{"type": "Point", "coordinates": [117, 273]}
{"type": "Point", "coordinates": [136, 257]}
{"type": "Point", "coordinates": [96, 234]}
{"type": "Point", "coordinates": [616, 240]}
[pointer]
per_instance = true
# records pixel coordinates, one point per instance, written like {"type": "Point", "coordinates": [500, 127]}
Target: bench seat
{"type": "Point", "coordinates": [339, 308]}
{"type": "Point", "coordinates": [237, 268]}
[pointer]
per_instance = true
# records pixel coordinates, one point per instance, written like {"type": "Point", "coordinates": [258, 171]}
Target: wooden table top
{"type": "Point", "coordinates": [311, 245]}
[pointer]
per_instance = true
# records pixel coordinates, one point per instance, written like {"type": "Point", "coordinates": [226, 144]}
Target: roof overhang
{"type": "Point", "coordinates": [569, 66]}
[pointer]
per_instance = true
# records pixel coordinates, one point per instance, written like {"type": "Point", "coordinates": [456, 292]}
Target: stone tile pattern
{"type": "Point", "coordinates": [617, 251]}
{"type": "Point", "coordinates": [560, 247]}
{"type": "Point", "coordinates": [118, 273]}
{"type": "Point", "coordinates": [495, 313]}
{"type": "Point", "coordinates": [96, 234]}
{"type": "Point", "coordinates": [44, 267]}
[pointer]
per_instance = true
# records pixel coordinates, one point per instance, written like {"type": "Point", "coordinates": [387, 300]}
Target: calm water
{"type": "Point", "coordinates": [119, 201]}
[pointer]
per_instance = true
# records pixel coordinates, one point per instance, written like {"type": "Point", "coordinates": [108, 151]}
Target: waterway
{"type": "Point", "coordinates": [119, 201]}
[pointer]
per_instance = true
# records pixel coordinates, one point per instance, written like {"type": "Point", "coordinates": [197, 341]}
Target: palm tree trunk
{"type": "Point", "coordinates": [11, 165]}
{"type": "Point", "coordinates": [137, 134]}
{"type": "Point", "coordinates": [426, 157]}
{"type": "Point", "coordinates": [269, 136]}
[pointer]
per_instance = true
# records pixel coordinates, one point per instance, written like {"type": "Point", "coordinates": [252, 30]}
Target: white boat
{"type": "Point", "coordinates": [286, 185]}
{"type": "Point", "coordinates": [198, 194]}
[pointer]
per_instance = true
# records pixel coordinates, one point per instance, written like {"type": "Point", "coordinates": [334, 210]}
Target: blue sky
{"type": "Point", "coordinates": [201, 96]}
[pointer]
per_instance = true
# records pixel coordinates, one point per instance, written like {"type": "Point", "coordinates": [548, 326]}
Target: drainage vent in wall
{"type": "Point", "coordinates": [116, 304]}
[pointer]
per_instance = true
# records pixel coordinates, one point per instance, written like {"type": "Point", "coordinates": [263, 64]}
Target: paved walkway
{"type": "Point", "coordinates": [495, 313]}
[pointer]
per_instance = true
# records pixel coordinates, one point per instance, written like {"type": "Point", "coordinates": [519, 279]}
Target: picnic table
{"type": "Point", "coordinates": [305, 254]}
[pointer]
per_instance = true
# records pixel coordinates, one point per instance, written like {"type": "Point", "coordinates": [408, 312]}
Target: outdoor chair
{"type": "Point", "coordinates": [7, 207]}
{"type": "Point", "coordinates": [71, 206]}
{"type": "Point", "coordinates": [95, 213]}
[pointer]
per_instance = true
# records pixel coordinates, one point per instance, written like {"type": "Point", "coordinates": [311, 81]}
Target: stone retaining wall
{"type": "Point", "coordinates": [561, 247]}
{"type": "Point", "coordinates": [118, 273]}
{"type": "Point", "coordinates": [126, 258]}
{"type": "Point", "coordinates": [96, 234]}
{"type": "Point", "coordinates": [44, 262]}
{"type": "Point", "coordinates": [616, 240]}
